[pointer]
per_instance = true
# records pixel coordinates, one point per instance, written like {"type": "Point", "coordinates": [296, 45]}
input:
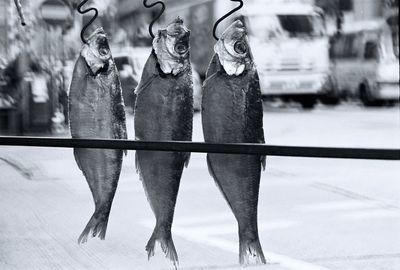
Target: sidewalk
{"type": "Point", "coordinates": [319, 213]}
{"type": "Point", "coordinates": [44, 211]}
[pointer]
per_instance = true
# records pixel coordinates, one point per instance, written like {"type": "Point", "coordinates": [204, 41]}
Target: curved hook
{"type": "Point", "coordinates": [20, 12]}
{"type": "Point", "coordinates": [226, 16]}
{"type": "Point", "coordinates": [96, 13]}
{"type": "Point", "coordinates": [157, 17]}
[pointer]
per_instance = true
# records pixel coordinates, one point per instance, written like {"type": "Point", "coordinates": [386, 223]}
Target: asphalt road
{"type": "Point", "coordinates": [314, 214]}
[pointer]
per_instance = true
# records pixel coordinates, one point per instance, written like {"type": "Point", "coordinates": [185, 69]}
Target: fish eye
{"type": "Point", "coordinates": [240, 47]}
{"type": "Point", "coordinates": [181, 48]}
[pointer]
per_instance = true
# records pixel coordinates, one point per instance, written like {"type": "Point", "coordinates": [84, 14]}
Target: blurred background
{"type": "Point", "coordinates": [329, 75]}
{"type": "Point", "coordinates": [307, 52]}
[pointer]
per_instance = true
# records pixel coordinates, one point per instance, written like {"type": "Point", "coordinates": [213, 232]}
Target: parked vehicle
{"type": "Point", "coordinates": [291, 49]}
{"type": "Point", "coordinates": [365, 62]}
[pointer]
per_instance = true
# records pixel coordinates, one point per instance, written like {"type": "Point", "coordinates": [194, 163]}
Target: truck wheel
{"type": "Point", "coordinates": [332, 96]}
{"type": "Point", "coordinates": [308, 103]}
{"type": "Point", "coordinates": [328, 100]}
{"type": "Point", "coordinates": [366, 98]}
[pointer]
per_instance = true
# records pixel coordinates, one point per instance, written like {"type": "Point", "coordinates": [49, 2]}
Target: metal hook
{"type": "Point", "coordinates": [226, 16]}
{"type": "Point", "coordinates": [157, 17]}
{"type": "Point", "coordinates": [20, 12]}
{"type": "Point", "coordinates": [96, 13]}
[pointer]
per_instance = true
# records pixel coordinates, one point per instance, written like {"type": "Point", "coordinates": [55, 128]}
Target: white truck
{"type": "Point", "coordinates": [288, 38]}
{"type": "Point", "coordinates": [291, 49]}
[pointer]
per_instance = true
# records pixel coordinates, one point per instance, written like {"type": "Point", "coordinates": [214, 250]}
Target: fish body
{"type": "Point", "coordinates": [97, 112]}
{"type": "Point", "coordinates": [164, 112]}
{"type": "Point", "coordinates": [232, 113]}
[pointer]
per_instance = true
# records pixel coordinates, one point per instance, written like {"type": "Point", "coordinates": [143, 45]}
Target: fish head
{"type": "Point", "coordinates": [97, 53]}
{"type": "Point", "coordinates": [171, 45]}
{"type": "Point", "coordinates": [233, 49]}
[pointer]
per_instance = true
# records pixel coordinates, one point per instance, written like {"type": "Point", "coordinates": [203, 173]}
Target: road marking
{"type": "Point", "coordinates": [231, 228]}
{"type": "Point", "coordinates": [27, 170]}
{"type": "Point", "coordinates": [273, 258]}
{"type": "Point", "coordinates": [199, 230]}
{"type": "Point", "coordinates": [204, 219]}
{"type": "Point", "coordinates": [378, 213]}
{"type": "Point", "coordinates": [337, 206]}
{"type": "Point", "coordinates": [358, 257]}
{"type": "Point", "coordinates": [353, 195]}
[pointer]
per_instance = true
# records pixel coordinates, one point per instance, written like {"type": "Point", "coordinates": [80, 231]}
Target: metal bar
{"type": "Point", "coordinates": [195, 147]}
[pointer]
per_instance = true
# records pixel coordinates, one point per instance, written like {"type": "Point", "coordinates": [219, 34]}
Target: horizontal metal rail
{"type": "Point", "coordinates": [195, 147]}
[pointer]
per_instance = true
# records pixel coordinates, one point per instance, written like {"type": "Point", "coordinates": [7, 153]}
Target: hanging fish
{"type": "Point", "coordinates": [232, 113]}
{"type": "Point", "coordinates": [164, 112]}
{"type": "Point", "coordinates": [97, 112]}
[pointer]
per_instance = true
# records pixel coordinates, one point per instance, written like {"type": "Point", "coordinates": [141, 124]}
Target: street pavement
{"type": "Point", "coordinates": [314, 214]}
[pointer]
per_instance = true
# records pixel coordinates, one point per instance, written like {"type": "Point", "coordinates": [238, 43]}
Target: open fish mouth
{"type": "Point", "coordinates": [98, 43]}
{"type": "Point", "coordinates": [181, 48]}
{"type": "Point", "coordinates": [172, 47]}
{"type": "Point", "coordinates": [235, 40]}
{"type": "Point", "coordinates": [97, 53]}
{"type": "Point", "coordinates": [240, 47]}
{"type": "Point", "coordinates": [178, 49]}
{"type": "Point", "coordinates": [103, 49]}
{"type": "Point", "coordinates": [233, 49]}
{"type": "Point", "coordinates": [178, 37]}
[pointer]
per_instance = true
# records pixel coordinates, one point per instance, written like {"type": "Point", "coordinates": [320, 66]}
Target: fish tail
{"type": "Point", "coordinates": [137, 165]}
{"type": "Point", "coordinates": [167, 245]}
{"type": "Point", "coordinates": [97, 226]}
{"type": "Point", "coordinates": [251, 248]}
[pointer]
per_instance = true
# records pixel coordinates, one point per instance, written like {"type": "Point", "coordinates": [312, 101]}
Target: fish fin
{"type": "Point", "coordinates": [78, 162]}
{"type": "Point", "coordinates": [212, 70]}
{"type": "Point", "coordinates": [167, 246]}
{"type": "Point", "coordinates": [141, 177]}
{"type": "Point", "coordinates": [252, 248]}
{"type": "Point", "coordinates": [137, 166]}
{"type": "Point", "coordinates": [187, 159]}
{"type": "Point", "coordinates": [149, 73]}
{"type": "Point", "coordinates": [214, 66]}
{"type": "Point", "coordinates": [255, 114]}
{"type": "Point", "coordinates": [263, 162]}
{"type": "Point", "coordinates": [255, 110]}
{"type": "Point", "coordinates": [119, 121]}
{"type": "Point", "coordinates": [144, 84]}
{"type": "Point", "coordinates": [97, 226]}
{"type": "Point", "coordinates": [210, 168]}
{"type": "Point", "coordinates": [141, 180]}
{"type": "Point", "coordinates": [214, 176]}
{"type": "Point", "coordinates": [119, 125]}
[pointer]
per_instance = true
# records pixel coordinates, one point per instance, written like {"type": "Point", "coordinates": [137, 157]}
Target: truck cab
{"type": "Point", "coordinates": [291, 49]}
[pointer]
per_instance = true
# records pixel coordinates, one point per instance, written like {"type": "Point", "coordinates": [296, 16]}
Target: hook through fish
{"type": "Point", "coordinates": [157, 17]}
{"type": "Point", "coordinates": [226, 16]}
{"type": "Point", "coordinates": [20, 12]}
{"type": "Point", "coordinates": [96, 13]}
